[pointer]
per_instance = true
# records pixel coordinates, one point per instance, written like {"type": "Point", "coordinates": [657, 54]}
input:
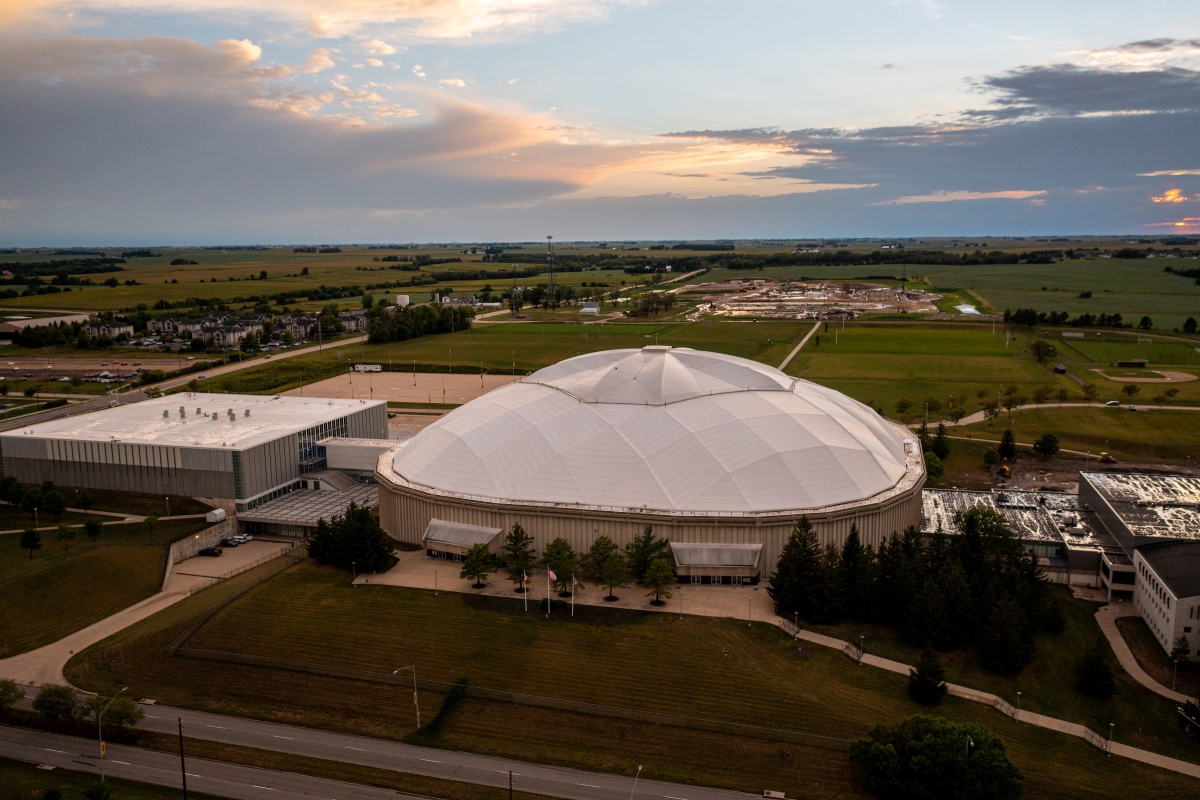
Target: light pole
{"type": "Point", "coordinates": [862, 648]}
{"type": "Point", "coordinates": [1018, 717]}
{"type": "Point", "coordinates": [970, 744]}
{"type": "Point", "coordinates": [416, 701]}
{"type": "Point", "coordinates": [1175, 679]}
{"type": "Point", "coordinates": [353, 573]}
{"type": "Point", "coordinates": [100, 731]}
{"type": "Point", "coordinates": [168, 505]}
{"type": "Point", "coordinates": [1111, 726]}
{"type": "Point", "coordinates": [635, 779]}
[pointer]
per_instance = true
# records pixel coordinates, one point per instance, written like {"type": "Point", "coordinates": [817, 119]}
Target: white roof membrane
{"type": "Point", "coordinates": [663, 429]}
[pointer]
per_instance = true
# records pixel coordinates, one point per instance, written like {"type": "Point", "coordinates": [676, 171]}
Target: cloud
{"type": "Point", "coordinates": [243, 52]}
{"type": "Point", "coordinates": [374, 62]}
{"type": "Point", "coordinates": [452, 82]}
{"type": "Point", "coordinates": [380, 48]}
{"type": "Point", "coordinates": [417, 70]}
{"type": "Point", "coordinates": [1171, 172]}
{"type": "Point", "coordinates": [317, 60]}
{"type": "Point", "coordinates": [953, 197]}
{"type": "Point", "coordinates": [407, 20]}
{"type": "Point", "coordinates": [1171, 196]}
{"type": "Point", "coordinates": [10, 203]}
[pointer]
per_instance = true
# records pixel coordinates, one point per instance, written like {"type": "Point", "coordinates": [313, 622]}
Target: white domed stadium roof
{"type": "Point", "coordinates": [659, 429]}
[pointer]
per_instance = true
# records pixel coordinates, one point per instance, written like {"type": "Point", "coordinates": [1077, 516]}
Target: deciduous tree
{"type": "Point", "coordinates": [560, 559]}
{"type": "Point", "coordinates": [58, 703]}
{"type": "Point", "coordinates": [613, 574]}
{"type": "Point", "coordinates": [658, 578]}
{"type": "Point", "coordinates": [1046, 445]}
{"type": "Point", "coordinates": [31, 540]}
{"type": "Point", "coordinates": [477, 565]}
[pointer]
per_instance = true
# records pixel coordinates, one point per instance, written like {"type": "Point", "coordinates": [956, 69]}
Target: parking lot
{"type": "Point", "coordinates": [230, 559]}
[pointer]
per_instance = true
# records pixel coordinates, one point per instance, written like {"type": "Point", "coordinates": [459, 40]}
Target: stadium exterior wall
{"type": "Point", "coordinates": [405, 511]}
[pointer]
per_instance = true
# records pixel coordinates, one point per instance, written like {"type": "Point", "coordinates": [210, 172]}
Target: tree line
{"type": "Point", "coordinates": [411, 322]}
{"type": "Point", "coordinates": [979, 587]}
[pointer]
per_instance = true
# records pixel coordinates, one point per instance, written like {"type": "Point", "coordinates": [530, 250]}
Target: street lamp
{"type": "Point", "coordinates": [168, 505]}
{"type": "Point", "coordinates": [1018, 707]}
{"type": "Point", "coordinates": [416, 702]}
{"type": "Point", "coordinates": [1111, 726]}
{"type": "Point", "coordinates": [100, 731]}
{"type": "Point", "coordinates": [635, 779]}
{"type": "Point", "coordinates": [970, 744]}
{"type": "Point", "coordinates": [353, 574]}
{"type": "Point", "coordinates": [862, 648]}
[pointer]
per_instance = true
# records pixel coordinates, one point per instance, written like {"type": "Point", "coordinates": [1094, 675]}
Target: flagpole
{"type": "Point", "coordinates": [524, 590]}
{"type": "Point", "coordinates": [547, 593]}
{"type": "Point", "coordinates": [572, 594]}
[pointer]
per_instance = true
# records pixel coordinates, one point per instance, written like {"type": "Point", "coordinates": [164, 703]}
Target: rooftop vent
{"type": "Point", "coordinates": [247, 412]}
{"type": "Point", "coordinates": [214, 416]}
{"type": "Point", "coordinates": [197, 410]}
{"type": "Point", "coordinates": [166, 413]}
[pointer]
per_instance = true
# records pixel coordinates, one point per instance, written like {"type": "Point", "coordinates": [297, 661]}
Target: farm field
{"type": "Point", "coordinates": [66, 590]}
{"type": "Point", "coordinates": [624, 664]}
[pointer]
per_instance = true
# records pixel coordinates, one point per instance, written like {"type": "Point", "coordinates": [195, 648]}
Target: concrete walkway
{"type": "Point", "coordinates": [1041, 721]}
{"type": "Point", "coordinates": [799, 347]}
{"type": "Point", "coordinates": [751, 603]}
{"type": "Point", "coordinates": [979, 416]}
{"type": "Point", "coordinates": [45, 665]}
{"type": "Point", "coordinates": [1107, 618]}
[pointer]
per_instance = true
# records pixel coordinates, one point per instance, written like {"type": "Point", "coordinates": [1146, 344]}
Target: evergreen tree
{"type": "Point", "coordinates": [477, 565]}
{"type": "Point", "coordinates": [1005, 642]}
{"type": "Point", "coordinates": [353, 540]}
{"type": "Point", "coordinates": [853, 557]}
{"type": "Point", "coordinates": [961, 621]}
{"type": "Point", "coordinates": [658, 579]}
{"type": "Point", "coordinates": [791, 587]}
{"type": "Point", "coordinates": [643, 550]}
{"type": "Point", "coordinates": [1094, 676]}
{"type": "Point", "coordinates": [1008, 445]}
{"type": "Point", "coordinates": [941, 442]}
{"type": "Point", "coordinates": [926, 681]}
{"type": "Point", "coordinates": [927, 626]}
{"type": "Point", "coordinates": [827, 591]}
{"type": "Point", "coordinates": [519, 555]}
{"type": "Point", "coordinates": [560, 559]}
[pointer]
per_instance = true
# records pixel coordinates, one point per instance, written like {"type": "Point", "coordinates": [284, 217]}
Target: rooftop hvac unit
{"type": "Point", "coordinates": [166, 413]}
{"type": "Point", "coordinates": [247, 412]}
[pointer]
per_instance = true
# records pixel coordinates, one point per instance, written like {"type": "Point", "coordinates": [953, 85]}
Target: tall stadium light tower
{"type": "Point", "coordinates": [550, 258]}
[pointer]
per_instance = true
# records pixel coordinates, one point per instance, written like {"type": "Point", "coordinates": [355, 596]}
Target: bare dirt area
{"type": "Point", "coordinates": [773, 299]}
{"type": "Point", "coordinates": [404, 387]}
{"type": "Point", "coordinates": [1163, 377]}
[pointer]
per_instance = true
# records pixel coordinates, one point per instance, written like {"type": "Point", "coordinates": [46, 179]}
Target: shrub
{"type": "Point", "coordinates": [930, 757]}
{"type": "Point", "coordinates": [58, 703]}
{"type": "Point", "coordinates": [10, 693]}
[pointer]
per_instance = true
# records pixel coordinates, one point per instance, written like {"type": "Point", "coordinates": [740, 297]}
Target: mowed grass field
{"type": "Point", "coordinates": [1143, 436]}
{"type": "Point", "coordinates": [882, 363]}
{"type": "Point", "coordinates": [20, 780]}
{"type": "Point", "coordinates": [66, 590]}
{"type": "Point", "coordinates": [698, 667]}
{"type": "Point", "coordinates": [525, 347]}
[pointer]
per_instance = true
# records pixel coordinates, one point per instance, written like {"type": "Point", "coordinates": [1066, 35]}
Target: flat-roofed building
{"type": "Point", "coordinates": [702, 562]}
{"type": "Point", "coordinates": [246, 449]}
{"type": "Point", "coordinates": [1168, 593]}
{"type": "Point", "coordinates": [452, 540]}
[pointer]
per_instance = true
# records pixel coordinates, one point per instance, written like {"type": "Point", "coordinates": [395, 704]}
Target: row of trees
{"type": "Point", "coordinates": [354, 540]}
{"type": "Point", "coordinates": [643, 559]}
{"type": "Point", "coordinates": [48, 499]}
{"type": "Point", "coordinates": [1028, 317]}
{"type": "Point", "coordinates": [978, 587]}
{"type": "Point", "coordinates": [414, 321]}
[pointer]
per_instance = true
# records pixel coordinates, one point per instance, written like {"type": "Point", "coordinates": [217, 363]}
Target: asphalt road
{"type": "Point", "coordinates": [562, 782]}
{"type": "Point", "coordinates": [163, 769]}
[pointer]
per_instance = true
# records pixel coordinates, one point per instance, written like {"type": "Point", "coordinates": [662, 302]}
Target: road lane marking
{"type": "Point", "coordinates": [256, 786]}
{"type": "Point", "coordinates": [218, 727]}
{"type": "Point", "coordinates": [359, 749]}
{"type": "Point", "coordinates": [668, 797]}
{"type": "Point", "coordinates": [590, 786]}
{"type": "Point", "coordinates": [52, 750]}
{"type": "Point", "coordinates": [126, 763]}
{"type": "Point", "coordinates": [431, 761]}
{"type": "Point", "coordinates": [273, 736]}
{"type": "Point", "coordinates": [193, 775]}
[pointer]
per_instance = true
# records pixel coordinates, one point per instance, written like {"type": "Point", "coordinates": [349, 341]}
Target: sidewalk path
{"type": "Point", "coordinates": [1107, 618]}
{"type": "Point", "coordinates": [1041, 721]}
{"type": "Point", "coordinates": [799, 347]}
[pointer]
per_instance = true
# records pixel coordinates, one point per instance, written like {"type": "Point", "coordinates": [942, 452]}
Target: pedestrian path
{"type": "Point", "coordinates": [1040, 720]}
{"type": "Point", "coordinates": [1107, 618]}
{"type": "Point", "coordinates": [799, 347]}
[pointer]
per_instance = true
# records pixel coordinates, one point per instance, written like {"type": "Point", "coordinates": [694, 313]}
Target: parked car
{"type": "Point", "coordinates": [1113, 403]}
{"type": "Point", "coordinates": [210, 551]}
{"type": "Point", "coordinates": [1133, 408]}
{"type": "Point", "coordinates": [242, 538]}
{"type": "Point", "coordinates": [230, 542]}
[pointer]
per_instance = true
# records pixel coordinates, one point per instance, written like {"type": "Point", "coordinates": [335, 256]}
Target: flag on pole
{"type": "Point", "coordinates": [526, 577]}
{"type": "Point", "coordinates": [553, 577]}
{"type": "Point", "coordinates": [573, 581]}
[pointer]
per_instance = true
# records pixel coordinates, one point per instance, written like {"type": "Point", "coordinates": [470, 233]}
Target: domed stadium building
{"type": "Point", "coordinates": [720, 454]}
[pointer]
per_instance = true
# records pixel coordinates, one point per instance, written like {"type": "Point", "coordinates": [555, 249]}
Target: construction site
{"type": "Point", "coordinates": [781, 299]}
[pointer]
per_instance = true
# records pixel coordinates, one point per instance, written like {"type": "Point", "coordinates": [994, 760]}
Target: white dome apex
{"type": "Point", "coordinates": [659, 429]}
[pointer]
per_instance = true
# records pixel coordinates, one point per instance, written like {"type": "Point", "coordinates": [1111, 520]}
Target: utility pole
{"type": "Point", "coordinates": [550, 258]}
{"type": "Point", "coordinates": [182, 763]}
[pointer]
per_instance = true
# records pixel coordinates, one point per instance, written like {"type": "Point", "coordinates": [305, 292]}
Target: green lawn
{"type": "Point", "coordinates": [530, 345]}
{"type": "Point", "coordinates": [1144, 436]}
{"type": "Point", "coordinates": [700, 667]}
{"type": "Point", "coordinates": [63, 591]}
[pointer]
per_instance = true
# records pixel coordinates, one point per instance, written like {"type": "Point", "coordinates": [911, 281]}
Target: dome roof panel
{"type": "Point", "coordinates": [661, 429]}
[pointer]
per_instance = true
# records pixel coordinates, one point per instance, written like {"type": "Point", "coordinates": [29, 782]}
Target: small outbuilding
{"type": "Point", "coordinates": [452, 540]}
{"type": "Point", "coordinates": [716, 563]}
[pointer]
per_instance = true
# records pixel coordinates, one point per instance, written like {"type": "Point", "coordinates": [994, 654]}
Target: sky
{"type": "Point", "coordinates": [141, 122]}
